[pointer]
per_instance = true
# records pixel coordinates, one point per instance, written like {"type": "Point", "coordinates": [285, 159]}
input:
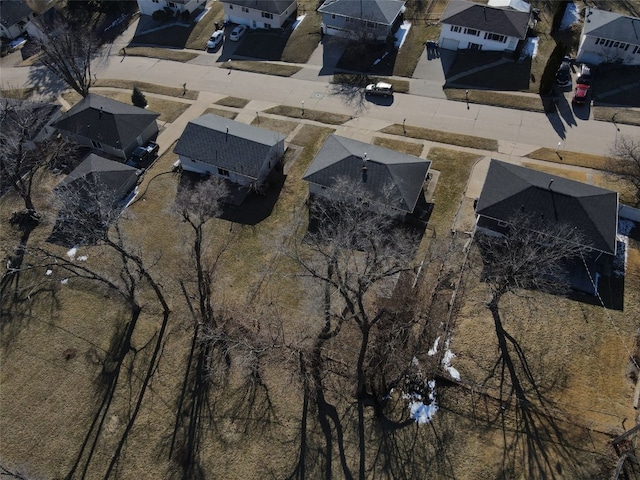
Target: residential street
{"type": "Point", "coordinates": [517, 131]}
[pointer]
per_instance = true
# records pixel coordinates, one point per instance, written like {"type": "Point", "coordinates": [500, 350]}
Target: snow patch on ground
{"type": "Point", "coordinates": [64, 281]}
{"type": "Point", "coordinates": [83, 258]}
{"type": "Point", "coordinates": [48, 272]}
{"type": "Point", "coordinates": [433, 350]}
{"type": "Point", "coordinates": [530, 48]}
{"type": "Point", "coordinates": [571, 16]}
{"type": "Point", "coordinates": [72, 253]}
{"type": "Point", "coordinates": [423, 413]}
{"type": "Point", "coordinates": [201, 16]}
{"type": "Point", "coordinates": [401, 34]}
{"type": "Point", "coordinates": [446, 362]}
{"type": "Point", "coordinates": [297, 22]}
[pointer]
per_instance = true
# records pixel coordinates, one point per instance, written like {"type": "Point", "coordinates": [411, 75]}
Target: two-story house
{"type": "Point", "coordinates": [473, 26]}
{"type": "Point", "coordinates": [371, 20]}
{"type": "Point", "coordinates": [609, 37]}
{"type": "Point", "coordinates": [259, 13]}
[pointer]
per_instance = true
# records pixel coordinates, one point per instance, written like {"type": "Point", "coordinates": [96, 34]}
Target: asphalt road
{"type": "Point", "coordinates": [517, 131]}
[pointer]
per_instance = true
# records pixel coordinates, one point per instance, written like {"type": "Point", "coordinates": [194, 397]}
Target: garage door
{"type": "Point", "coordinates": [449, 43]}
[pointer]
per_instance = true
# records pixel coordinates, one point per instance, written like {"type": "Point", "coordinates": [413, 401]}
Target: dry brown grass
{"type": "Point", "coordinates": [221, 112]}
{"type": "Point", "coordinates": [410, 148]}
{"type": "Point", "coordinates": [565, 157]}
{"type": "Point", "coordinates": [284, 127]}
{"type": "Point", "coordinates": [234, 102]}
{"type": "Point", "coordinates": [161, 53]}
{"type": "Point", "coordinates": [498, 99]}
{"type": "Point", "coordinates": [169, 110]}
{"type": "Point", "coordinates": [305, 38]}
{"type": "Point", "coordinates": [442, 137]}
{"type": "Point", "coordinates": [148, 88]}
{"type": "Point", "coordinates": [307, 114]}
{"type": "Point", "coordinates": [622, 115]}
{"type": "Point", "coordinates": [308, 135]}
{"type": "Point", "coordinates": [265, 68]}
{"type": "Point", "coordinates": [455, 168]}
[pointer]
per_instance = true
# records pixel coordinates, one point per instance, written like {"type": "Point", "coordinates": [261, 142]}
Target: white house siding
{"type": "Point", "coordinates": [147, 7]}
{"type": "Point", "coordinates": [449, 39]}
{"type": "Point", "coordinates": [15, 30]}
{"type": "Point", "coordinates": [338, 26]}
{"type": "Point", "coordinates": [593, 54]}
{"type": "Point", "coordinates": [253, 18]}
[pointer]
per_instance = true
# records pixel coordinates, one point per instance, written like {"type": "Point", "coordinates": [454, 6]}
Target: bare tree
{"type": "Point", "coordinates": [529, 255]}
{"type": "Point", "coordinates": [356, 252]}
{"type": "Point", "coordinates": [68, 46]}
{"type": "Point", "coordinates": [91, 214]}
{"type": "Point", "coordinates": [625, 161]}
{"type": "Point", "coordinates": [22, 152]}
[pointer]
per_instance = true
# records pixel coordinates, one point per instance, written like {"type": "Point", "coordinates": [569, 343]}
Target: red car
{"type": "Point", "coordinates": [581, 94]}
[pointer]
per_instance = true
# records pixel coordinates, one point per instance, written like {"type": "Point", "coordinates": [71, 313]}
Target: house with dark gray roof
{"type": "Point", "coordinates": [259, 13]}
{"type": "Point", "coordinates": [15, 15]}
{"type": "Point", "coordinates": [510, 190]}
{"type": "Point", "coordinates": [609, 37]}
{"type": "Point", "coordinates": [473, 26]}
{"type": "Point", "coordinates": [394, 180]}
{"type": "Point", "coordinates": [235, 151]}
{"type": "Point", "coordinates": [114, 179]}
{"type": "Point", "coordinates": [108, 126]}
{"type": "Point", "coordinates": [373, 20]}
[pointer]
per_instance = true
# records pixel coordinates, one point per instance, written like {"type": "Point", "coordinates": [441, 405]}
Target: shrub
{"type": "Point", "coordinates": [138, 98]}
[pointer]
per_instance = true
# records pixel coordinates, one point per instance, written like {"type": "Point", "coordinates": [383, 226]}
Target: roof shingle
{"type": "Point", "coordinates": [106, 121]}
{"type": "Point", "coordinates": [227, 144]}
{"type": "Point", "coordinates": [501, 20]}
{"type": "Point", "coordinates": [393, 178]}
{"type": "Point", "coordinates": [510, 189]}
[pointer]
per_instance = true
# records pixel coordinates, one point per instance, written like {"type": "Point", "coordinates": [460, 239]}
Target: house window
{"type": "Point", "coordinates": [636, 49]}
{"type": "Point", "coordinates": [245, 9]}
{"type": "Point", "coordinates": [615, 44]}
{"type": "Point", "coordinates": [172, 5]}
{"type": "Point", "coordinates": [475, 46]}
{"type": "Point", "coordinates": [267, 25]}
{"type": "Point", "coordinates": [456, 28]}
{"type": "Point", "coordinates": [501, 223]}
{"type": "Point", "coordinates": [267, 15]}
{"type": "Point", "coordinates": [223, 172]}
{"type": "Point", "coordinates": [495, 37]}
{"type": "Point", "coordinates": [230, 7]}
{"type": "Point", "coordinates": [334, 17]}
{"type": "Point", "coordinates": [155, 1]}
{"type": "Point", "coordinates": [97, 145]}
{"type": "Point", "coordinates": [472, 31]}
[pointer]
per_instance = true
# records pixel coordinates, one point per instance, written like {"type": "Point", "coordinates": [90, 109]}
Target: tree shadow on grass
{"type": "Point", "coordinates": [537, 444]}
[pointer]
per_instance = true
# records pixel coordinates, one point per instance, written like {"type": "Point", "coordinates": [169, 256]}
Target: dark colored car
{"type": "Point", "coordinates": [142, 155]}
{"type": "Point", "coordinates": [563, 77]}
{"type": "Point", "coordinates": [584, 77]}
{"type": "Point", "coordinates": [581, 94]}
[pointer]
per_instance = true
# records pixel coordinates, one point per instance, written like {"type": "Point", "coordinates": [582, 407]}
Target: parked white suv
{"type": "Point", "coordinates": [380, 88]}
{"type": "Point", "coordinates": [216, 39]}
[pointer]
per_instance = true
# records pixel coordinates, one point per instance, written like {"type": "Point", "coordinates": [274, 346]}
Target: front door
{"type": "Point", "coordinates": [475, 46]}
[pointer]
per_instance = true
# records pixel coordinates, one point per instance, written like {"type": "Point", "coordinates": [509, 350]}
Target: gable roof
{"type": "Point", "coordinates": [612, 26]}
{"type": "Point", "coordinates": [393, 178]}
{"type": "Point", "coordinates": [501, 20]}
{"type": "Point", "coordinates": [277, 7]}
{"type": "Point", "coordinates": [12, 11]}
{"type": "Point", "coordinates": [509, 189]}
{"type": "Point", "coordinates": [97, 170]}
{"type": "Point", "coordinates": [106, 121]}
{"type": "Point", "coordinates": [379, 11]}
{"type": "Point", "coordinates": [227, 144]}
